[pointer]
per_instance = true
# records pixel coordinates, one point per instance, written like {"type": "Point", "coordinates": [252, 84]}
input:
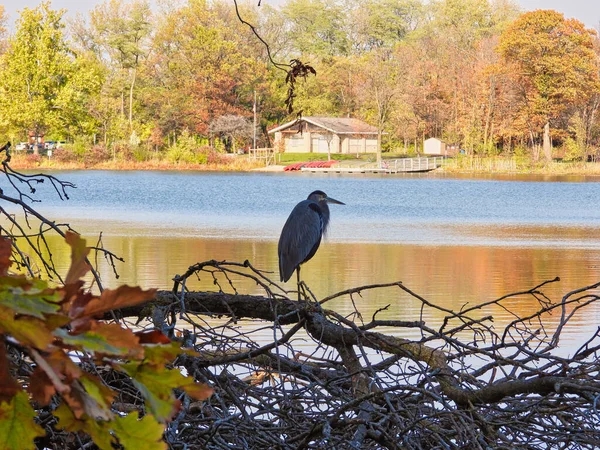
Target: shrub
{"type": "Point", "coordinates": [186, 151]}
{"type": "Point", "coordinates": [573, 151]}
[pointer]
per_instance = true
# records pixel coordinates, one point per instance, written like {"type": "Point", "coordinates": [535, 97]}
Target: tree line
{"type": "Point", "coordinates": [133, 79]}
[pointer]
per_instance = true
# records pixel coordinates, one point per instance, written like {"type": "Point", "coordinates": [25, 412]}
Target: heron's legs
{"type": "Point", "coordinates": [298, 283]}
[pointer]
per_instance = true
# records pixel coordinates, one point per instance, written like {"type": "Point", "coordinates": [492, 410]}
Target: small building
{"type": "Point", "coordinates": [326, 134]}
{"type": "Point", "coordinates": [434, 146]}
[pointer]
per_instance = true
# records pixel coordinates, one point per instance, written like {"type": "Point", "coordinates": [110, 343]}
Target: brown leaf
{"type": "Point", "coordinates": [111, 299]}
{"type": "Point", "coordinates": [40, 387]}
{"type": "Point", "coordinates": [8, 385]}
{"type": "Point", "coordinates": [79, 251]}
{"type": "Point", "coordinates": [5, 254]}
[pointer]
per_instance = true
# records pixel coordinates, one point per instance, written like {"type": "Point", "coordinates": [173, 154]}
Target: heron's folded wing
{"type": "Point", "coordinates": [300, 237]}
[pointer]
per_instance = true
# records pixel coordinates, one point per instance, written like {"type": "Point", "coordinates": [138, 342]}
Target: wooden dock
{"type": "Point", "coordinates": [402, 165]}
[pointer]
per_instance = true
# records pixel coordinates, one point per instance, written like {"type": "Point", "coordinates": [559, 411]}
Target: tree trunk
{"type": "Point", "coordinates": [547, 145]}
{"type": "Point", "coordinates": [133, 79]}
{"type": "Point", "coordinates": [379, 148]}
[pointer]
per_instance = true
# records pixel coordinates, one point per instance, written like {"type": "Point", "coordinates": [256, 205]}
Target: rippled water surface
{"type": "Point", "coordinates": [452, 240]}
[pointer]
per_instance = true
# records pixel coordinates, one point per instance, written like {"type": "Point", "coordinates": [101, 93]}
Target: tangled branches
{"type": "Point", "coordinates": [295, 375]}
{"type": "Point", "coordinates": [28, 229]}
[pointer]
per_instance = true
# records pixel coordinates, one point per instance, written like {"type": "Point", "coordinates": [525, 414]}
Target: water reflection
{"type": "Point", "coordinates": [453, 240]}
{"type": "Point", "coordinates": [451, 276]}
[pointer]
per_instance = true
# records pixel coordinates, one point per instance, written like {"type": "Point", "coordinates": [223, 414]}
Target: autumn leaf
{"type": "Point", "coordinates": [164, 354]}
{"type": "Point", "coordinates": [156, 385]}
{"type": "Point", "coordinates": [143, 434]}
{"type": "Point", "coordinates": [111, 299]}
{"type": "Point", "coordinates": [84, 405]}
{"type": "Point", "coordinates": [152, 337]}
{"type": "Point", "coordinates": [17, 427]}
{"type": "Point", "coordinates": [199, 391]}
{"type": "Point", "coordinates": [8, 385]}
{"type": "Point", "coordinates": [102, 338]}
{"type": "Point", "coordinates": [5, 254]}
{"type": "Point", "coordinates": [79, 251]}
{"type": "Point", "coordinates": [41, 387]}
{"type": "Point", "coordinates": [96, 389]}
{"type": "Point", "coordinates": [99, 431]}
{"type": "Point", "coordinates": [26, 330]}
{"type": "Point", "coordinates": [31, 302]}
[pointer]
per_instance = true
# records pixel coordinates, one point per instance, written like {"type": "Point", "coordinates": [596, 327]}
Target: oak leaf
{"type": "Point", "coordinates": [5, 254]}
{"type": "Point", "coordinates": [17, 427]}
{"type": "Point", "coordinates": [104, 339]}
{"type": "Point", "coordinates": [110, 299]}
{"type": "Point", "coordinates": [98, 430]}
{"type": "Point", "coordinates": [143, 434]}
{"type": "Point", "coordinates": [79, 251]}
{"type": "Point", "coordinates": [26, 330]}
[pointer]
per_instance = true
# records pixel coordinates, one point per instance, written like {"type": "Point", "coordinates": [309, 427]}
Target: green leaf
{"type": "Point", "coordinates": [17, 428]}
{"type": "Point", "coordinates": [142, 434]}
{"type": "Point", "coordinates": [31, 302]}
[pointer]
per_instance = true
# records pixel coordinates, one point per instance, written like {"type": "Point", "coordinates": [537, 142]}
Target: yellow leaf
{"type": "Point", "coordinates": [139, 434]}
{"type": "Point", "coordinates": [26, 330]}
{"type": "Point", "coordinates": [17, 428]}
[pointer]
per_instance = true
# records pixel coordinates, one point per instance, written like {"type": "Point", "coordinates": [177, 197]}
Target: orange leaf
{"type": "Point", "coordinates": [104, 338]}
{"type": "Point", "coordinates": [199, 391]}
{"type": "Point", "coordinates": [152, 337]}
{"type": "Point", "coordinates": [111, 299]}
{"type": "Point", "coordinates": [79, 251]}
{"type": "Point", "coordinates": [5, 254]}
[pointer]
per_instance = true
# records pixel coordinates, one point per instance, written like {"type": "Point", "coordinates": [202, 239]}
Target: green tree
{"type": "Point", "coordinates": [384, 23]}
{"type": "Point", "coordinates": [553, 66]}
{"type": "Point", "coordinates": [34, 73]}
{"type": "Point", "coordinates": [317, 27]}
{"type": "Point", "coordinates": [121, 32]}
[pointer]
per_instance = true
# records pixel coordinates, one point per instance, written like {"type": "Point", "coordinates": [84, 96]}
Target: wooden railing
{"type": "Point", "coordinates": [413, 164]}
{"type": "Point", "coordinates": [266, 154]}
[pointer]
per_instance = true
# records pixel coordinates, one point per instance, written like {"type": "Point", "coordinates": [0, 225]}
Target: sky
{"type": "Point", "coordinates": [587, 11]}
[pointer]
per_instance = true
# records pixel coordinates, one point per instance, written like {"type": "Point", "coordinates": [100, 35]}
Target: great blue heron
{"type": "Point", "coordinates": [301, 234]}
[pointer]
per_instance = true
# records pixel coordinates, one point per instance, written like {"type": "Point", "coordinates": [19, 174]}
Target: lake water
{"type": "Point", "coordinates": [452, 240]}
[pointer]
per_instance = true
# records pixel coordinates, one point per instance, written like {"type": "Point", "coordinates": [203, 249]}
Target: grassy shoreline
{"type": "Point", "coordinates": [463, 165]}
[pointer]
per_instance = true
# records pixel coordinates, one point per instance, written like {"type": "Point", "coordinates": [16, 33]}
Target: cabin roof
{"type": "Point", "coordinates": [336, 125]}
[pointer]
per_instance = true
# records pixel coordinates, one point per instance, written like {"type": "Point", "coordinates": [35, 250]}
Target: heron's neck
{"type": "Point", "coordinates": [325, 215]}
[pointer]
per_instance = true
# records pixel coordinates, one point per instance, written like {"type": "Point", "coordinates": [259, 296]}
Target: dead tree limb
{"type": "Point", "coordinates": [323, 381]}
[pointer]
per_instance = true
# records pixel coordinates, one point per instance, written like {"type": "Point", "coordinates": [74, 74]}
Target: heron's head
{"type": "Point", "coordinates": [320, 196]}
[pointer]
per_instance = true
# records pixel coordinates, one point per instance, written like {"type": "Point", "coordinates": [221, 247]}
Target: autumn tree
{"type": "Point", "coordinates": [3, 18]}
{"type": "Point", "coordinates": [551, 62]}
{"type": "Point", "coordinates": [234, 130]}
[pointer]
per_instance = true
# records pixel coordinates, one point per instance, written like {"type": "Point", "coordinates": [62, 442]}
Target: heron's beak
{"type": "Point", "coordinates": [333, 200]}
